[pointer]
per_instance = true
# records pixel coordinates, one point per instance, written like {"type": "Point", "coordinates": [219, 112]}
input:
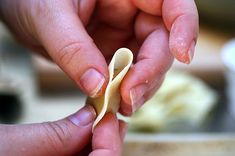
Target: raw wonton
{"type": "Point", "coordinates": [110, 101]}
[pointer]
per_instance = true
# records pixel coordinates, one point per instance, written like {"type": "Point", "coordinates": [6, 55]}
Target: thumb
{"type": "Point", "coordinates": [63, 137]}
{"type": "Point", "coordinates": [63, 35]}
{"type": "Point", "coordinates": [108, 137]}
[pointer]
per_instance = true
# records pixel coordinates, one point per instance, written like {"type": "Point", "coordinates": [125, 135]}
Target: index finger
{"type": "Point", "coordinates": [181, 19]}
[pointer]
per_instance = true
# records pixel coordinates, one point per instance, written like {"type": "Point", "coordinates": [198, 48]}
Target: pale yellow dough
{"type": "Point", "coordinates": [110, 101]}
{"type": "Point", "coordinates": [183, 102]}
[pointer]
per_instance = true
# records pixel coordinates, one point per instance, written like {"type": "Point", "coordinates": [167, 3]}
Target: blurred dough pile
{"type": "Point", "coordinates": [181, 99]}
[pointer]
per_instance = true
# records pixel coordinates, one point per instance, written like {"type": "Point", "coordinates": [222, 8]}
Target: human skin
{"type": "Point", "coordinates": [66, 137]}
{"type": "Point", "coordinates": [82, 35]}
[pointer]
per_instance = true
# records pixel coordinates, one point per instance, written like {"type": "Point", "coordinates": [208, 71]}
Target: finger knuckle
{"type": "Point", "coordinates": [57, 136]}
{"type": "Point", "coordinates": [68, 52]}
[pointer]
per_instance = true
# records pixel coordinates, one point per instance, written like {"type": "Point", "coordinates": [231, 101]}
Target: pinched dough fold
{"type": "Point", "coordinates": [110, 101]}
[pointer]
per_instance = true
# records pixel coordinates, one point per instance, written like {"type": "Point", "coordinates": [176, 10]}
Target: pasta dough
{"type": "Point", "coordinates": [110, 101]}
{"type": "Point", "coordinates": [182, 103]}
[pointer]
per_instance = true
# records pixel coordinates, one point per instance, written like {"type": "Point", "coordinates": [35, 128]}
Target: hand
{"type": "Point", "coordinates": [81, 35]}
{"type": "Point", "coordinates": [70, 136]}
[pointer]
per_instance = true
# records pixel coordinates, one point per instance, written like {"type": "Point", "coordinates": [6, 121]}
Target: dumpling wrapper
{"type": "Point", "coordinates": [110, 101]}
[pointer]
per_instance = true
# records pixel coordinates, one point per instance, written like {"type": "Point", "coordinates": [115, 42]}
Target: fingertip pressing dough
{"type": "Point", "coordinates": [110, 101]}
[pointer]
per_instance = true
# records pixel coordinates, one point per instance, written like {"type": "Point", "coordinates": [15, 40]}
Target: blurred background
{"type": "Point", "coordinates": [193, 110]}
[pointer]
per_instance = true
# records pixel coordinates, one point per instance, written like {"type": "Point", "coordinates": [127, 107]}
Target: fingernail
{"type": "Point", "coordinates": [84, 116]}
{"type": "Point", "coordinates": [191, 51]}
{"type": "Point", "coordinates": [137, 93]}
{"type": "Point", "coordinates": [92, 81]}
{"type": "Point", "coordinates": [137, 105]}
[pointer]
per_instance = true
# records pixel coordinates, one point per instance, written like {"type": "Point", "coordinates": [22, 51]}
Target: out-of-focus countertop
{"type": "Point", "coordinates": [207, 65]}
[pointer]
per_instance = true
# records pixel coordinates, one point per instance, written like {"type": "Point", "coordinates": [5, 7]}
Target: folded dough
{"type": "Point", "coordinates": [110, 101]}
